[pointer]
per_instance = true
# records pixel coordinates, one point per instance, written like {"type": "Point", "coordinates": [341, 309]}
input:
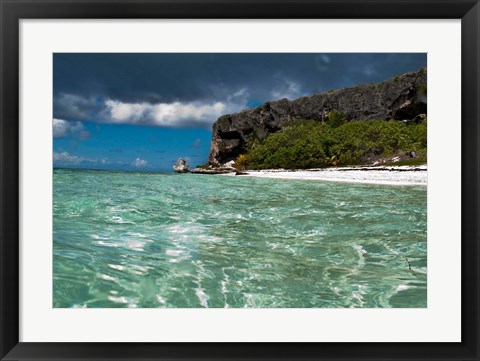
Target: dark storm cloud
{"type": "Point", "coordinates": [184, 90]}
{"type": "Point", "coordinates": [71, 106]}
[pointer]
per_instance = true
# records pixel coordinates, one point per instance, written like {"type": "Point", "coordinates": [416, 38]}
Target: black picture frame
{"type": "Point", "coordinates": [14, 10]}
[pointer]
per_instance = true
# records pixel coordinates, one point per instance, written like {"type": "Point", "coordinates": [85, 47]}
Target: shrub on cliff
{"type": "Point", "coordinates": [311, 144]}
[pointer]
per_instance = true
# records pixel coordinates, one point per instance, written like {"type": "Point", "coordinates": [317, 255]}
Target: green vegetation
{"type": "Point", "coordinates": [240, 163]}
{"type": "Point", "coordinates": [312, 144]}
{"type": "Point", "coordinates": [336, 119]}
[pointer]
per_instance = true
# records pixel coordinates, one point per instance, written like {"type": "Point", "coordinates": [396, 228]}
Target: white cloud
{"type": "Point", "coordinates": [240, 95]}
{"type": "Point", "coordinates": [322, 62]}
{"type": "Point", "coordinates": [66, 158]}
{"type": "Point", "coordinates": [287, 89]}
{"type": "Point", "coordinates": [126, 111]}
{"type": "Point", "coordinates": [164, 114]}
{"type": "Point", "coordinates": [63, 128]}
{"type": "Point", "coordinates": [139, 162]}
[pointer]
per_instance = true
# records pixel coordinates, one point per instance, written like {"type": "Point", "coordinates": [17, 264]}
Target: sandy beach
{"type": "Point", "coordinates": [388, 175]}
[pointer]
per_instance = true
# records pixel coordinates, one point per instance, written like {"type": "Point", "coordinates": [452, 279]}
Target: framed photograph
{"type": "Point", "coordinates": [239, 180]}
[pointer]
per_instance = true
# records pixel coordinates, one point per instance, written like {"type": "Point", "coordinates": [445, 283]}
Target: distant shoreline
{"type": "Point", "coordinates": [381, 175]}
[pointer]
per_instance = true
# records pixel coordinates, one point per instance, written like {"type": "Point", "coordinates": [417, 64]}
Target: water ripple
{"type": "Point", "coordinates": [164, 240]}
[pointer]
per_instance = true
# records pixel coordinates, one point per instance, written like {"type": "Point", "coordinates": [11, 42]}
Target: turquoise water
{"type": "Point", "coordinates": [183, 240]}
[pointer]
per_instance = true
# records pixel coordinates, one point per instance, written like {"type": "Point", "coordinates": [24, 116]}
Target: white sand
{"type": "Point", "coordinates": [391, 175]}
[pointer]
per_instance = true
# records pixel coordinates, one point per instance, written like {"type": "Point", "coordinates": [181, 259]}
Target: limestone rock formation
{"type": "Point", "coordinates": [403, 98]}
{"type": "Point", "coordinates": [181, 166]}
{"type": "Point", "coordinates": [228, 167]}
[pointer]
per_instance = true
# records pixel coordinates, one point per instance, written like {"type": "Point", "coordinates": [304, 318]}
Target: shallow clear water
{"type": "Point", "coordinates": [184, 240]}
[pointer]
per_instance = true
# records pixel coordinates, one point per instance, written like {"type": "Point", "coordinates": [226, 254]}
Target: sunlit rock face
{"type": "Point", "coordinates": [403, 98]}
{"type": "Point", "coordinates": [181, 166]}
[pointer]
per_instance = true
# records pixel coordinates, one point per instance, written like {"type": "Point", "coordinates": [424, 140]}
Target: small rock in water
{"type": "Point", "coordinates": [181, 166]}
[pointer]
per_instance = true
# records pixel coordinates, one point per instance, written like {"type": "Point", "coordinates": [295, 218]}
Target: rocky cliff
{"type": "Point", "coordinates": [403, 98]}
